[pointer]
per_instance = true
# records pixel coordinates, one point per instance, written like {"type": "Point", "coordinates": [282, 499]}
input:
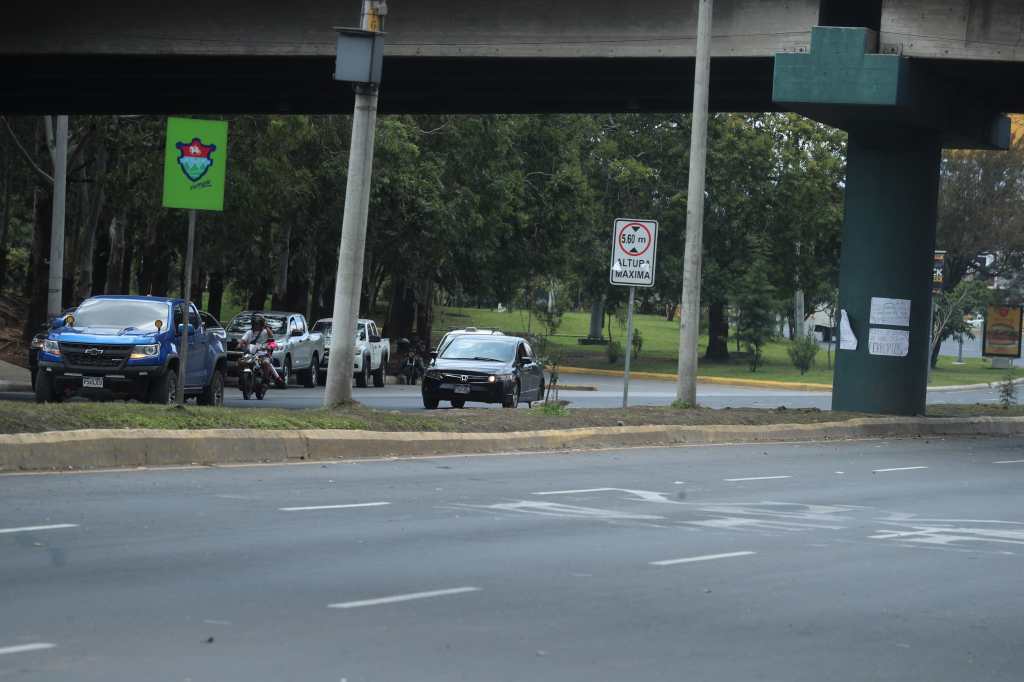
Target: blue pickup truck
{"type": "Point", "coordinates": [127, 347]}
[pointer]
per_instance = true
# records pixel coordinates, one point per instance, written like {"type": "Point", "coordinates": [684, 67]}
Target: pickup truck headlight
{"type": "Point", "coordinates": [51, 347]}
{"type": "Point", "coordinates": [145, 352]}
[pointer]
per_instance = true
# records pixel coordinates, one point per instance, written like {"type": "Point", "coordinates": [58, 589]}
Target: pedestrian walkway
{"type": "Point", "coordinates": [12, 376]}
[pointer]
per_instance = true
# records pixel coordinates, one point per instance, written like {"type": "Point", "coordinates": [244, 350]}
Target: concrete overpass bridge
{"type": "Point", "coordinates": [903, 77]}
{"type": "Point", "coordinates": [494, 55]}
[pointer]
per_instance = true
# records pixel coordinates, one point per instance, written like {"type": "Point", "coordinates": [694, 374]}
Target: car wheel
{"type": "Point", "coordinates": [430, 403]}
{"type": "Point", "coordinates": [287, 374]}
{"type": "Point", "coordinates": [309, 377]}
{"type": "Point", "coordinates": [378, 375]}
{"type": "Point", "coordinates": [44, 388]}
{"type": "Point", "coordinates": [363, 378]}
{"type": "Point", "coordinates": [213, 394]}
{"type": "Point", "coordinates": [164, 389]}
{"type": "Point", "coordinates": [458, 404]}
{"type": "Point", "coordinates": [513, 401]}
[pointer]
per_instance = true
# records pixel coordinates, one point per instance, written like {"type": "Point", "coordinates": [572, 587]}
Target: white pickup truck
{"type": "Point", "coordinates": [371, 351]}
{"type": "Point", "coordinates": [298, 349]}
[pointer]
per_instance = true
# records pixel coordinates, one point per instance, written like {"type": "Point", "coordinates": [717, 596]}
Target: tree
{"type": "Point", "coordinates": [969, 296]}
{"type": "Point", "coordinates": [757, 301]}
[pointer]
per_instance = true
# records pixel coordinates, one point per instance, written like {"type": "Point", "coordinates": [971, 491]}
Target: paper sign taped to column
{"type": "Point", "coordinates": [847, 341]}
{"type": "Point", "coordinates": [892, 342]}
{"type": "Point", "coordinates": [893, 312]}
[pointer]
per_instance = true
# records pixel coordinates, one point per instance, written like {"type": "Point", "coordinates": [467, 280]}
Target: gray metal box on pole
{"type": "Point", "coordinates": [359, 56]}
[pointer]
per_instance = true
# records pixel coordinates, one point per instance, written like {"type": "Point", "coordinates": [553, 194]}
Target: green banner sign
{"type": "Point", "coordinates": [195, 159]}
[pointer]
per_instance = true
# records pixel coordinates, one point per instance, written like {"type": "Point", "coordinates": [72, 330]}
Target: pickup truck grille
{"type": "Point", "coordinates": [95, 356]}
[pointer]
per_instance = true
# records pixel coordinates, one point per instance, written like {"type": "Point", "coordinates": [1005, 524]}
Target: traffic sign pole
{"type": "Point", "coordinates": [629, 348]}
{"type": "Point", "coordinates": [183, 350]}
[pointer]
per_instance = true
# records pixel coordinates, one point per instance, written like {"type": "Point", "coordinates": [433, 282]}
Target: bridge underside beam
{"type": "Point", "coordinates": [117, 85]}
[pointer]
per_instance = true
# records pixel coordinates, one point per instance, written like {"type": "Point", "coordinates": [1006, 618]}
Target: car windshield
{"type": "Point", "coordinates": [483, 348]}
{"type": "Point", "coordinates": [119, 313]}
{"type": "Point", "coordinates": [324, 327]}
{"type": "Point", "coordinates": [243, 323]}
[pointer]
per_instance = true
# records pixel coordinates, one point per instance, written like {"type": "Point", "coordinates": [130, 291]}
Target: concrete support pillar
{"type": "Point", "coordinates": [888, 239]}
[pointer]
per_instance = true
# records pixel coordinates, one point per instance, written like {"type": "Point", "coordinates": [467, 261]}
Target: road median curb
{"type": "Point", "coordinates": [104, 449]}
{"type": "Point", "coordinates": [731, 381]}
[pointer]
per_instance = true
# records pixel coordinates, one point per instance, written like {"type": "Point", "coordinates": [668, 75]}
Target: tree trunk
{"type": "Point", "coordinates": [258, 296]}
{"type": "Point", "coordinates": [425, 312]}
{"type": "Point", "coordinates": [94, 202]}
{"type": "Point", "coordinates": [128, 260]}
{"type": "Point", "coordinates": [115, 256]}
{"type": "Point", "coordinates": [38, 283]}
{"type": "Point", "coordinates": [213, 306]}
{"type": "Point", "coordinates": [798, 314]}
{"type": "Point", "coordinates": [718, 333]}
{"type": "Point", "coordinates": [402, 311]}
{"type": "Point", "coordinates": [5, 217]}
{"type": "Point", "coordinates": [597, 318]}
{"type": "Point", "coordinates": [280, 299]}
{"type": "Point", "coordinates": [934, 359]}
{"type": "Point", "coordinates": [670, 312]}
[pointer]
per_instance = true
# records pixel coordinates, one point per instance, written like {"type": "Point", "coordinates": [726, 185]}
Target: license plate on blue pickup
{"type": "Point", "coordinates": [92, 382]}
{"type": "Point", "coordinates": [461, 389]}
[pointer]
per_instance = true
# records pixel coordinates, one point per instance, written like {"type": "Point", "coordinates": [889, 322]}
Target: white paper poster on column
{"type": "Point", "coordinates": [891, 342]}
{"type": "Point", "coordinates": [847, 341]}
{"type": "Point", "coordinates": [892, 312]}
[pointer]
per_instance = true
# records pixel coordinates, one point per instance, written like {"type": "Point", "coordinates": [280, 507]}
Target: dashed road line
{"type": "Point", "coordinates": [695, 559]}
{"type": "Point", "coordinates": [334, 506]}
{"type": "Point", "coordinates": [30, 529]}
{"type": "Point", "coordinates": [402, 597]}
{"type": "Point", "coordinates": [754, 478]}
{"type": "Point", "coordinates": [882, 471]}
{"type": "Point", "coordinates": [574, 492]}
{"type": "Point", "coordinates": [1010, 461]}
{"type": "Point", "coordinates": [22, 648]}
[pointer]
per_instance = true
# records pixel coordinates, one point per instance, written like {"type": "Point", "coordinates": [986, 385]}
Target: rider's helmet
{"type": "Point", "coordinates": [258, 322]}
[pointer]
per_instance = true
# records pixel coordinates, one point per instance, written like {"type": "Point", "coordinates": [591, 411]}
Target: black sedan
{"type": "Point", "coordinates": [484, 369]}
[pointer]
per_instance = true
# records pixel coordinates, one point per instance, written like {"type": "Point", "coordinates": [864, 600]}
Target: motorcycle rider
{"type": "Point", "coordinates": [258, 335]}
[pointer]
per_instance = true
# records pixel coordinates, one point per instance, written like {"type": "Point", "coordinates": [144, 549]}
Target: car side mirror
{"type": "Point", "coordinates": [374, 339]}
{"type": "Point", "coordinates": [433, 355]}
{"type": "Point", "coordinates": [191, 330]}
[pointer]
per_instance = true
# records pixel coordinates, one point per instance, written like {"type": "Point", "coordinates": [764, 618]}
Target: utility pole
{"type": "Point", "coordinates": [689, 320]}
{"type": "Point", "coordinates": [59, 151]}
{"type": "Point", "coordinates": [349, 281]}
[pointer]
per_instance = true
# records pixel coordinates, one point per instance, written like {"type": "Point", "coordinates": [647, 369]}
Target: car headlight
{"type": "Point", "coordinates": [51, 347]}
{"type": "Point", "coordinates": [37, 341]}
{"type": "Point", "coordinates": [431, 374]}
{"type": "Point", "coordinates": [145, 352]}
{"type": "Point", "coordinates": [494, 378]}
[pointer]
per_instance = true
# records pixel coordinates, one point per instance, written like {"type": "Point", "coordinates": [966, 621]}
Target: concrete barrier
{"type": "Point", "coordinates": [102, 449]}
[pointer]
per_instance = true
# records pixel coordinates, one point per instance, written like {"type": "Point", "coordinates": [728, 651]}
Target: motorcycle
{"type": "Point", "coordinates": [252, 376]}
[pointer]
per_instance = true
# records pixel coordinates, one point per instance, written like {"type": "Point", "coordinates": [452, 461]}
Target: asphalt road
{"type": "Point", "coordinates": [858, 561]}
{"type": "Point", "coordinates": [608, 394]}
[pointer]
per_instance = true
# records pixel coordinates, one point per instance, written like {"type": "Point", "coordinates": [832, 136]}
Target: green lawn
{"type": "Point", "coordinates": [659, 352]}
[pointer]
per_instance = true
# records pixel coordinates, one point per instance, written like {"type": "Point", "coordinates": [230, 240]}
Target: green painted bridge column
{"type": "Point", "coordinates": [892, 182]}
{"type": "Point", "coordinates": [898, 121]}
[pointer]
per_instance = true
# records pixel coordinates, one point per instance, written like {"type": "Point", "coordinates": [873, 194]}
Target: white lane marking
{"type": "Point", "coordinates": [402, 597]}
{"type": "Point", "coordinates": [1010, 461]}
{"type": "Point", "coordinates": [694, 559]}
{"type": "Point", "coordinates": [334, 506]}
{"type": "Point", "coordinates": [882, 471]}
{"type": "Point", "coordinates": [754, 478]}
{"type": "Point", "coordinates": [29, 529]}
{"type": "Point", "coordinates": [573, 492]}
{"type": "Point", "coordinates": [21, 648]}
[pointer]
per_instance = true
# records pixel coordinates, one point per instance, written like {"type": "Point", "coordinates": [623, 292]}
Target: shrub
{"type": "Point", "coordinates": [1008, 392]}
{"type": "Point", "coordinates": [802, 352]}
{"type": "Point", "coordinates": [614, 352]}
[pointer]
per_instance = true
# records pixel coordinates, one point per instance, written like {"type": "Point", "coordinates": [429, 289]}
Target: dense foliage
{"type": "Point", "coordinates": [473, 210]}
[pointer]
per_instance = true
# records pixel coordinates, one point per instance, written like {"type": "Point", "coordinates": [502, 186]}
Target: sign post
{"type": "Point", "coordinates": [634, 255]}
{"type": "Point", "coordinates": [195, 160]}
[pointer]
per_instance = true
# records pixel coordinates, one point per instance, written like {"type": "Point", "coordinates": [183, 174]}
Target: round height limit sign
{"type": "Point", "coordinates": [634, 250]}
